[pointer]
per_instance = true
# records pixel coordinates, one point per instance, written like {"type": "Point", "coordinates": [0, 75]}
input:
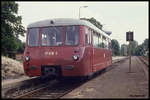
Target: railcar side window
{"type": "Point", "coordinates": [87, 36]}
{"type": "Point", "coordinates": [105, 42]}
{"type": "Point", "coordinates": [72, 35]}
{"type": "Point", "coordinates": [52, 36]}
{"type": "Point", "coordinates": [109, 44]}
{"type": "Point", "coordinates": [102, 44]}
{"type": "Point", "coordinates": [100, 41]}
{"type": "Point", "coordinates": [90, 36]}
{"type": "Point", "coordinates": [33, 36]}
{"type": "Point", "coordinates": [95, 40]}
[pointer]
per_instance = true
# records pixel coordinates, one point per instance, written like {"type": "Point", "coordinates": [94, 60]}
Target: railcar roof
{"type": "Point", "coordinates": [65, 21]}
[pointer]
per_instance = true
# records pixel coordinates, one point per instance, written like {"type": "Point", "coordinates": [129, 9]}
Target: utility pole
{"type": "Point", "coordinates": [129, 37]}
{"type": "Point", "coordinates": [129, 56]}
{"type": "Point", "coordinates": [80, 8]}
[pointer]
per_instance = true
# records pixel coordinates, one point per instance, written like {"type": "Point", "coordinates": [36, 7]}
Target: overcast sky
{"type": "Point", "coordinates": [118, 17]}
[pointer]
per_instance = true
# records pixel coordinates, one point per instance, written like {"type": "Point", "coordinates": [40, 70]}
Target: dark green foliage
{"type": "Point", "coordinates": [139, 50]}
{"type": "Point", "coordinates": [143, 49]}
{"type": "Point", "coordinates": [21, 47]}
{"type": "Point", "coordinates": [115, 47]}
{"type": "Point", "coordinates": [146, 44]}
{"type": "Point", "coordinates": [95, 22]}
{"type": "Point", "coordinates": [146, 48]}
{"type": "Point", "coordinates": [124, 49]}
{"type": "Point", "coordinates": [134, 44]}
{"type": "Point", "coordinates": [9, 45]}
{"type": "Point", "coordinates": [11, 27]}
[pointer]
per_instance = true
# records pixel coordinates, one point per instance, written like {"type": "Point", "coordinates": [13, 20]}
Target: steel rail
{"type": "Point", "coordinates": [144, 60]}
{"type": "Point", "coordinates": [48, 85]}
{"type": "Point", "coordinates": [36, 90]}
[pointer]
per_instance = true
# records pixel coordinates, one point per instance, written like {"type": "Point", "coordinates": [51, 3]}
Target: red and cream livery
{"type": "Point", "coordinates": [66, 47]}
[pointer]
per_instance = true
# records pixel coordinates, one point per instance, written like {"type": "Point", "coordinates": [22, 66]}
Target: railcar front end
{"type": "Point", "coordinates": [65, 47]}
{"type": "Point", "coordinates": [55, 50]}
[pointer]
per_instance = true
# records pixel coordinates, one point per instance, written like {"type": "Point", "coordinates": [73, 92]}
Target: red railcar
{"type": "Point", "coordinates": [66, 47]}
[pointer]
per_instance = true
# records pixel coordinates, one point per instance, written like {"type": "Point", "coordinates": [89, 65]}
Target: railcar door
{"type": "Point", "coordinates": [89, 49]}
{"type": "Point", "coordinates": [32, 51]}
{"type": "Point", "coordinates": [71, 48]}
{"type": "Point", "coordinates": [51, 49]}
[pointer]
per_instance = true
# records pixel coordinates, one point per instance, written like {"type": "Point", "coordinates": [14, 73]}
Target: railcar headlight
{"type": "Point", "coordinates": [27, 58]}
{"type": "Point", "coordinates": [75, 57]}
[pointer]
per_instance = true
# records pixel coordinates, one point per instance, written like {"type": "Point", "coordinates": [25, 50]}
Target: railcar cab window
{"type": "Point", "coordinates": [33, 36]}
{"type": "Point", "coordinates": [52, 36]}
{"type": "Point", "coordinates": [72, 35]}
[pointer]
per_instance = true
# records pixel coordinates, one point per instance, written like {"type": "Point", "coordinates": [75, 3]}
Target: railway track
{"type": "Point", "coordinates": [146, 67]}
{"type": "Point", "coordinates": [144, 60]}
{"type": "Point", "coordinates": [54, 89]}
{"type": "Point", "coordinates": [23, 87]}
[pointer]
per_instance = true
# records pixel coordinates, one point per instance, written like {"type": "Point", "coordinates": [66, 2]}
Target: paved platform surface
{"type": "Point", "coordinates": [118, 57]}
{"type": "Point", "coordinates": [116, 82]}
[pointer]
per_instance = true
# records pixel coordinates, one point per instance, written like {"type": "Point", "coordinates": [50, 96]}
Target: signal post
{"type": "Point", "coordinates": [129, 37]}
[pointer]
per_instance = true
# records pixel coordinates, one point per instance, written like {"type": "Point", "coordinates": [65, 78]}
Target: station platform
{"type": "Point", "coordinates": [116, 82]}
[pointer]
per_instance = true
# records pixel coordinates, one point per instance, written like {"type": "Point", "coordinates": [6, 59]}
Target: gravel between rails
{"type": "Point", "coordinates": [24, 87]}
{"type": "Point", "coordinates": [54, 91]}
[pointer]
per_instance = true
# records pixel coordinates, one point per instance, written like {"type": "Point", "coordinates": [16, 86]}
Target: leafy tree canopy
{"type": "Point", "coordinates": [115, 47]}
{"type": "Point", "coordinates": [11, 27]}
{"type": "Point", "coordinates": [133, 45]}
{"type": "Point", "coordinates": [124, 49]}
{"type": "Point", "coordinates": [94, 22]}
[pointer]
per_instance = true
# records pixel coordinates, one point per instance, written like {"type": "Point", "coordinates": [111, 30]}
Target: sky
{"type": "Point", "coordinates": [117, 17]}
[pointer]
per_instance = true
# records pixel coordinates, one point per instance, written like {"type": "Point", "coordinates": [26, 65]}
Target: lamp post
{"type": "Point", "coordinates": [80, 8]}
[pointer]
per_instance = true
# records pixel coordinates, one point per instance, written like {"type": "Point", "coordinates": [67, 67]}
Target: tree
{"type": "Point", "coordinates": [143, 49]}
{"type": "Point", "coordinates": [94, 22]}
{"type": "Point", "coordinates": [124, 49]}
{"type": "Point", "coordinates": [11, 27]}
{"type": "Point", "coordinates": [146, 48]}
{"type": "Point", "coordinates": [146, 44]}
{"type": "Point", "coordinates": [133, 46]}
{"type": "Point", "coordinates": [139, 51]}
{"type": "Point", "coordinates": [21, 46]}
{"type": "Point", "coordinates": [97, 24]}
{"type": "Point", "coordinates": [115, 47]}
